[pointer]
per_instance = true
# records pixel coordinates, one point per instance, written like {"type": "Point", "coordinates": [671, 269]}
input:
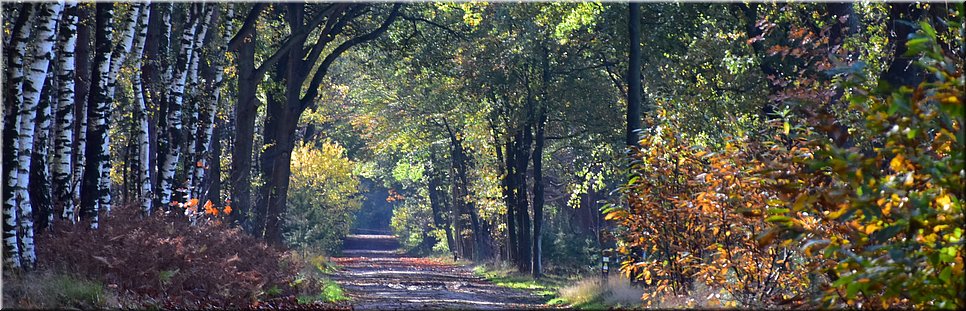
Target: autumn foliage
{"type": "Point", "coordinates": [164, 261]}
{"type": "Point", "coordinates": [685, 223]}
{"type": "Point", "coordinates": [795, 214]}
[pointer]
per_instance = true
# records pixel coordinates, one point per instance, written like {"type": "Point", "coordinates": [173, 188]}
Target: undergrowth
{"type": "Point", "coordinates": [162, 261]}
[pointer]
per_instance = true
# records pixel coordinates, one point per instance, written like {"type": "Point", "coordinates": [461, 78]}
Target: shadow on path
{"type": "Point", "coordinates": [376, 275]}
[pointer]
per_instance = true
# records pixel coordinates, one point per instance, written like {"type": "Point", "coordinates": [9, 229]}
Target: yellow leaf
{"type": "Point", "coordinates": [614, 215]}
{"type": "Point", "coordinates": [899, 163]}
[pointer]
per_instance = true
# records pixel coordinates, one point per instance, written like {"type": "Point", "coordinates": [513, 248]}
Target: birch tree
{"type": "Point", "coordinates": [96, 189]}
{"type": "Point", "coordinates": [172, 135]}
{"type": "Point", "coordinates": [82, 73]}
{"type": "Point", "coordinates": [191, 90]}
{"type": "Point", "coordinates": [42, 52]}
{"type": "Point", "coordinates": [64, 114]}
{"type": "Point", "coordinates": [142, 164]}
{"type": "Point", "coordinates": [213, 96]}
{"type": "Point", "coordinates": [13, 101]}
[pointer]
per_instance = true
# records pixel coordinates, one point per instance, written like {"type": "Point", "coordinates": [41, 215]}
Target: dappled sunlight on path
{"type": "Point", "coordinates": [377, 276]}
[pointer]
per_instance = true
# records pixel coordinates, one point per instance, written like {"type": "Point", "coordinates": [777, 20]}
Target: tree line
{"type": "Point", "coordinates": [126, 104]}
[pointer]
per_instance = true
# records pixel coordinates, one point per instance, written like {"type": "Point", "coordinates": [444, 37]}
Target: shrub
{"type": "Point", "coordinates": [165, 261]}
{"type": "Point", "coordinates": [886, 223]}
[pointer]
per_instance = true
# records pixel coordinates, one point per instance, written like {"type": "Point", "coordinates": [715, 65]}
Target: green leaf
{"type": "Point", "coordinates": [947, 254]}
{"type": "Point", "coordinates": [946, 274]}
{"type": "Point", "coordinates": [927, 29]}
{"type": "Point", "coordinates": [843, 280]}
{"type": "Point", "coordinates": [911, 134]}
{"type": "Point", "coordinates": [852, 289]}
{"type": "Point", "coordinates": [777, 211]}
{"type": "Point", "coordinates": [778, 218]}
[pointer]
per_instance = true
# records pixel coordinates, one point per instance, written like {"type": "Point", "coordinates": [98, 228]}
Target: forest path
{"type": "Point", "coordinates": [376, 275]}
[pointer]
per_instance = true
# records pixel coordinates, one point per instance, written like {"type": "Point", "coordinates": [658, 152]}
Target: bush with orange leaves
{"type": "Point", "coordinates": [684, 225]}
{"type": "Point", "coordinates": [890, 218]}
{"type": "Point", "coordinates": [793, 214]}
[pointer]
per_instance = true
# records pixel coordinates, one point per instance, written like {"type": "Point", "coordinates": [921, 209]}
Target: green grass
{"type": "Point", "coordinates": [332, 292]}
{"type": "Point", "coordinates": [54, 291]}
{"type": "Point", "coordinates": [547, 286]}
{"type": "Point", "coordinates": [585, 293]}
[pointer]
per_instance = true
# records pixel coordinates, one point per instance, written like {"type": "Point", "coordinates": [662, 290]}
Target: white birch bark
{"type": "Point", "coordinates": [97, 179]}
{"type": "Point", "coordinates": [14, 101]}
{"type": "Point", "coordinates": [64, 129]}
{"type": "Point", "coordinates": [195, 106]}
{"type": "Point", "coordinates": [124, 47]}
{"type": "Point", "coordinates": [176, 99]}
{"type": "Point", "coordinates": [212, 109]}
{"type": "Point", "coordinates": [141, 115]}
{"type": "Point", "coordinates": [42, 52]}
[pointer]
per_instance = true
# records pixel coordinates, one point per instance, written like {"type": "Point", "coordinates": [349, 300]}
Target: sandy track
{"type": "Point", "coordinates": [376, 276]}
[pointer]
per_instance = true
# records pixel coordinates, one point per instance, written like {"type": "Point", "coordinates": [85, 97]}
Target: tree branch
{"type": "Point", "coordinates": [246, 28]}
{"type": "Point", "coordinates": [327, 35]}
{"type": "Point", "coordinates": [296, 38]}
{"type": "Point", "coordinates": [437, 25]}
{"type": "Point", "coordinates": [313, 90]}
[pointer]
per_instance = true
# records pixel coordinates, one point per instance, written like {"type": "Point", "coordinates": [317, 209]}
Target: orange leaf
{"type": "Point", "coordinates": [227, 209]}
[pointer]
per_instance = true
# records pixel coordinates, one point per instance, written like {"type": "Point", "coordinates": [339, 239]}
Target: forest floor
{"type": "Point", "coordinates": [375, 274]}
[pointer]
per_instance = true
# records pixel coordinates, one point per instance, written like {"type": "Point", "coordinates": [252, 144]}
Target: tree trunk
{"type": "Point", "coordinates": [538, 186]}
{"type": "Point", "coordinates": [123, 48]}
{"type": "Point", "coordinates": [64, 114]}
{"type": "Point", "coordinates": [194, 121]}
{"type": "Point", "coordinates": [214, 174]}
{"type": "Point", "coordinates": [39, 179]}
{"type": "Point", "coordinates": [143, 141]}
{"type": "Point", "coordinates": [15, 53]}
{"type": "Point", "coordinates": [634, 90]}
{"type": "Point", "coordinates": [82, 88]}
{"type": "Point", "coordinates": [172, 138]}
{"type": "Point", "coordinates": [42, 52]}
{"type": "Point", "coordinates": [214, 75]}
{"type": "Point", "coordinates": [522, 159]}
{"type": "Point", "coordinates": [509, 198]}
{"type": "Point", "coordinates": [96, 190]}
{"type": "Point", "coordinates": [435, 202]}
{"type": "Point", "coordinates": [245, 111]}
{"type": "Point", "coordinates": [153, 73]}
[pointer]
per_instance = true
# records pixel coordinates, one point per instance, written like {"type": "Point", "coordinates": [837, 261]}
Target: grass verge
{"type": "Point", "coordinates": [585, 293]}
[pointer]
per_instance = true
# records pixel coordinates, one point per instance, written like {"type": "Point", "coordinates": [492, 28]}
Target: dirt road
{"type": "Point", "coordinates": [377, 276]}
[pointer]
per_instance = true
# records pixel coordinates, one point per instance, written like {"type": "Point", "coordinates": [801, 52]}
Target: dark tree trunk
{"type": "Point", "coordinates": [435, 202]}
{"type": "Point", "coordinates": [538, 186]}
{"type": "Point", "coordinates": [214, 169]}
{"type": "Point", "coordinates": [82, 86]}
{"type": "Point", "coordinates": [245, 111]}
{"type": "Point", "coordinates": [524, 139]}
{"type": "Point", "coordinates": [461, 185]}
{"type": "Point", "coordinates": [509, 196]}
{"type": "Point", "coordinates": [634, 91]}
